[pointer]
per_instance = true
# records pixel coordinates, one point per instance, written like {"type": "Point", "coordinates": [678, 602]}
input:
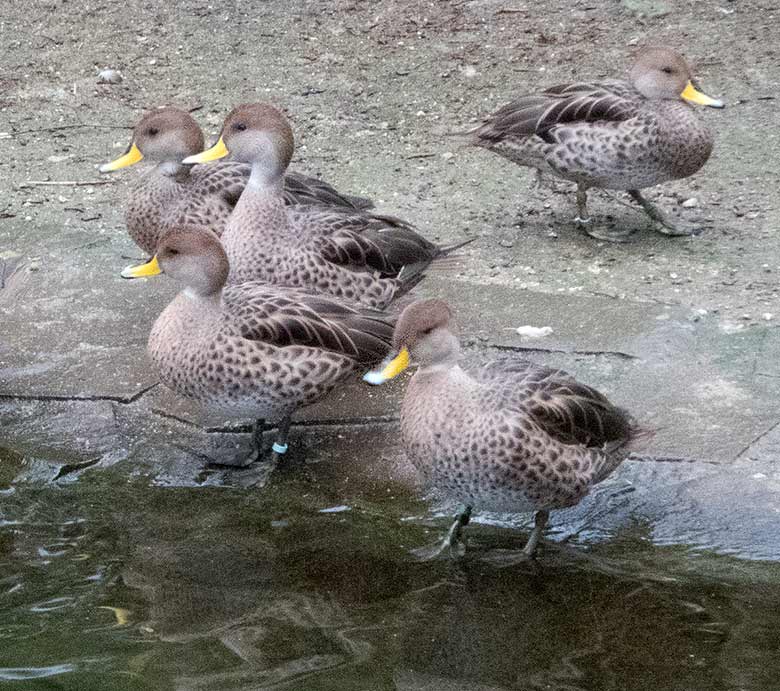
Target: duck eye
{"type": "Point", "coordinates": [427, 331]}
{"type": "Point", "coordinates": [152, 131]}
{"type": "Point", "coordinates": [239, 126]}
{"type": "Point", "coordinates": [173, 251]}
{"type": "Point", "coordinates": [667, 70]}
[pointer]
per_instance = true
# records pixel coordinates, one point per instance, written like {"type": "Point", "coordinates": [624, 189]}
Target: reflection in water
{"type": "Point", "coordinates": [105, 584]}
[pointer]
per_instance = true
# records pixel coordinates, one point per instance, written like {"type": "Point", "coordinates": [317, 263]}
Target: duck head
{"type": "Point", "coordinates": [423, 335]}
{"type": "Point", "coordinates": [663, 74]}
{"type": "Point", "coordinates": [192, 256]}
{"type": "Point", "coordinates": [255, 133]}
{"type": "Point", "coordinates": [165, 134]}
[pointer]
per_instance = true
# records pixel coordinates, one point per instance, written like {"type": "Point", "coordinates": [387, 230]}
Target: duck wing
{"type": "Point", "coordinates": [284, 317]}
{"type": "Point", "coordinates": [570, 412]}
{"type": "Point", "coordinates": [537, 114]}
{"type": "Point", "coordinates": [366, 242]}
{"type": "Point", "coordinates": [305, 189]}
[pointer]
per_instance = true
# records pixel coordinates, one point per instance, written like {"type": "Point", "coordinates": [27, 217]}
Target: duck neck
{"type": "Point", "coordinates": [443, 366]}
{"type": "Point", "coordinates": [264, 180]}
{"type": "Point", "coordinates": [205, 295]}
{"type": "Point", "coordinates": [174, 169]}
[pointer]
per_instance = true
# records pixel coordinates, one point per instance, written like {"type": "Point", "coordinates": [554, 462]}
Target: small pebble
{"type": "Point", "coordinates": [690, 203]}
{"type": "Point", "coordinates": [109, 76]}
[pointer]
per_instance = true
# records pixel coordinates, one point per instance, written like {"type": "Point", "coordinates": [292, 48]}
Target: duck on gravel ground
{"type": "Point", "coordinates": [509, 436]}
{"type": "Point", "coordinates": [611, 134]}
{"type": "Point", "coordinates": [252, 350]}
{"type": "Point", "coordinates": [203, 196]}
{"type": "Point", "coordinates": [352, 255]}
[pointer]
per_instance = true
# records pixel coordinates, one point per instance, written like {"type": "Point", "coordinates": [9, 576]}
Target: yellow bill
{"type": "Point", "coordinates": [151, 268]}
{"type": "Point", "coordinates": [219, 150]}
{"type": "Point", "coordinates": [390, 368]}
{"type": "Point", "coordinates": [133, 155]}
{"type": "Point", "coordinates": [693, 95]}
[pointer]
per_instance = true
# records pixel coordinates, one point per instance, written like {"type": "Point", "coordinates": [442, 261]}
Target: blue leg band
{"type": "Point", "coordinates": [279, 448]}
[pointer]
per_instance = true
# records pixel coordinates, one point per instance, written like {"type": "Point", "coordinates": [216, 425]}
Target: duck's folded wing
{"type": "Point", "coordinates": [367, 242]}
{"type": "Point", "coordinates": [305, 189]}
{"type": "Point", "coordinates": [567, 410]}
{"type": "Point", "coordinates": [282, 318]}
{"type": "Point", "coordinates": [560, 105]}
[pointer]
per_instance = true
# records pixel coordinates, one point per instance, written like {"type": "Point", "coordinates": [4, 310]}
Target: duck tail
{"type": "Point", "coordinates": [360, 203]}
{"type": "Point", "coordinates": [409, 276]}
{"type": "Point", "coordinates": [445, 250]}
{"type": "Point", "coordinates": [448, 258]}
{"type": "Point", "coordinates": [617, 450]}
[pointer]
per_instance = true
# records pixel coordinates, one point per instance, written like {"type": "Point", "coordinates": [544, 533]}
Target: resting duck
{"type": "Point", "coordinates": [252, 349]}
{"type": "Point", "coordinates": [357, 256]}
{"type": "Point", "coordinates": [202, 196]}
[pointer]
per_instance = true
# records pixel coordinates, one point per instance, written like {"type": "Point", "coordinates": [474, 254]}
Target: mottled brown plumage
{"type": "Point", "coordinates": [508, 436]}
{"type": "Point", "coordinates": [353, 255]}
{"type": "Point", "coordinates": [253, 349]}
{"type": "Point", "coordinates": [611, 134]}
{"type": "Point", "coordinates": [202, 196]}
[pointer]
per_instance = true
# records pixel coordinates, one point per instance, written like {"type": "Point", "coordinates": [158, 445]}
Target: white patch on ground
{"type": "Point", "coordinates": [726, 393]}
{"type": "Point", "coordinates": [528, 333]}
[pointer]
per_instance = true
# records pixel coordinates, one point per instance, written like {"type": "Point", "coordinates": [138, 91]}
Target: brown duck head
{"type": "Point", "coordinates": [164, 134]}
{"type": "Point", "coordinates": [192, 256]}
{"type": "Point", "coordinates": [256, 133]}
{"type": "Point", "coordinates": [423, 335]}
{"type": "Point", "coordinates": [663, 74]}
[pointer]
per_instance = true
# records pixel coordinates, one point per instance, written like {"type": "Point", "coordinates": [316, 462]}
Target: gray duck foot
{"type": "Point", "coordinates": [452, 545]}
{"type": "Point", "coordinates": [606, 234]}
{"type": "Point", "coordinates": [660, 221]}
{"type": "Point", "coordinates": [678, 229]}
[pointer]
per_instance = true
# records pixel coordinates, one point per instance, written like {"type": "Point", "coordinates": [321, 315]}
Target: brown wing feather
{"type": "Point", "coordinates": [288, 318]}
{"type": "Point", "coordinates": [304, 189]}
{"type": "Point", "coordinates": [559, 105]}
{"type": "Point", "coordinates": [365, 241]}
{"type": "Point", "coordinates": [567, 410]}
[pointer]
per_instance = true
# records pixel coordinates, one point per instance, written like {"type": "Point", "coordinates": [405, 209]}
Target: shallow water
{"type": "Point", "coordinates": [110, 583]}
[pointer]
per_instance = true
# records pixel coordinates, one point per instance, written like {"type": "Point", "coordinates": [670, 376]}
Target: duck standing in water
{"type": "Point", "coordinates": [611, 134]}
{"type": "Point", "coordinates": [201, 196]}
{"type": "Point", "coordinates": [510, 436]}
{"type": "Point", "coordinates": [352, 255]}
{"type": "Point", "coordinates": [252, 349]}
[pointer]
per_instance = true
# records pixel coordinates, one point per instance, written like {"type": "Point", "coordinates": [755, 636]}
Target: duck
{"type": "Point", "coordinates": [610, 134]}
{"type": "Point", "coordinates": [252, 350]}
{"type": "Point", "coordinates": [353, 255]}
{"type": "Point", "coordinates": [507, 436]}
{"type": "Point", "coordinates": [173, 192]}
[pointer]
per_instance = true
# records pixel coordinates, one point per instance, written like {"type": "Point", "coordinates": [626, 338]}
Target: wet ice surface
{"type": "Point", "coordinates": [309, 583]}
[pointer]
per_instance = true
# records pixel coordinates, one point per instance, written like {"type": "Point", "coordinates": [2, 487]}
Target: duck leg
{"type": "Point", "coordinates": [584, 221]}
{"type": "Point", "coordinates": [540, 522]}
{"type": "Point", "coordinates": [279, 447]}
{"type": "Point", "coordinates": [452, 542]}
{"type": "Point", "coordinates": [582, 218]}
{"type": "Point", "coordinates": [662, 223]}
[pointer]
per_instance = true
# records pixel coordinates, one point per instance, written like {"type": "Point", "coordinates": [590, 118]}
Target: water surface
{"type": "Point", "coordinates": [117, 583]}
